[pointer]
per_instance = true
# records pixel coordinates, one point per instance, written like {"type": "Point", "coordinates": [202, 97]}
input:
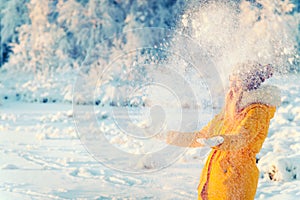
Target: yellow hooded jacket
{"type": "Point", "coordinates": [230, 171]}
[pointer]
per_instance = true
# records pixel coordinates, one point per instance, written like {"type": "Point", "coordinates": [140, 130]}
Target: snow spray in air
{"type": "Point", "coordinates": [231, 33]}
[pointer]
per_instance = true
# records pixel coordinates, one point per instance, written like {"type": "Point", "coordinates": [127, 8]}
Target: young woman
{"type": "Point", "coordinates": [238, 133]}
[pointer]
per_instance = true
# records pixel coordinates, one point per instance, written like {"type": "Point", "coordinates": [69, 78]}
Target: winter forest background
{"type": "Point", "coordinates": [72, 68]}
{"type": "Point", "coordinates": [45, 43]}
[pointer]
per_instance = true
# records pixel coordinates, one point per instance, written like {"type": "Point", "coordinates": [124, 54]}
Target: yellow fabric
{"type": "Point", "coordinates": [230, 171]}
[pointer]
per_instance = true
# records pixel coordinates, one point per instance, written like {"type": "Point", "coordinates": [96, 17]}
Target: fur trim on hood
{"type": "Point", "coordinates": [266, 94]}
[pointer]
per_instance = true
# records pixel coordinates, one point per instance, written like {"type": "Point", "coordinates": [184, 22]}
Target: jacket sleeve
{"type": "Point", "coordinates": [255, 123]}
{"type": "Point", "coordinates": [183, 139]}
{"type": "Point", "coordinates": [210, 130]}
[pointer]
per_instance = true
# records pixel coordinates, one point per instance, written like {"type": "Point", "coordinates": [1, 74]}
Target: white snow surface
{"type": "Point", "coordinates": [42, 157]}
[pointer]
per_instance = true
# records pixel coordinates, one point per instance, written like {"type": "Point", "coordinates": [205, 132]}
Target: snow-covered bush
{"type": "Point", "coordinates": [281, 168]}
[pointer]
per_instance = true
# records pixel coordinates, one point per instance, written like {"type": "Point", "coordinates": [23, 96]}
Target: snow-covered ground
{"type": "Point", "coordinates": [42, 157]}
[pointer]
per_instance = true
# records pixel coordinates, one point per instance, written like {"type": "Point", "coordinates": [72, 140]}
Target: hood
{"type": "Point", "coordinates": [266, 94]}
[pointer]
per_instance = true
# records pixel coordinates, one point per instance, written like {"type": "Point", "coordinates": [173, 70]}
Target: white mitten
{"type": "Point", "coordinates": [213, 141]}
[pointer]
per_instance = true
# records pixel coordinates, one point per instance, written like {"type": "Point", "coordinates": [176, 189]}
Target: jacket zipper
{"type": "Point", "coordinates": [204, 193]}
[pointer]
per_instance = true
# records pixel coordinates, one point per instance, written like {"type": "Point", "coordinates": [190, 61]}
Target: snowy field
{"type": "Point", "coordinates": [43, 158]}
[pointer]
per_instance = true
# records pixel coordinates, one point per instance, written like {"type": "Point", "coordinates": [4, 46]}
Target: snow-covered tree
{"type": "Point", "coordinates": [13, 14]}
{"type": "Point", "coordinates": [38, 47]}
{"type": "Point", "coordinates": [49, 38]}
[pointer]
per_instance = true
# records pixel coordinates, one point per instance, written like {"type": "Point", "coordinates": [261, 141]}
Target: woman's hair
{"type": "Point", "coordinates": [251, 74]}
